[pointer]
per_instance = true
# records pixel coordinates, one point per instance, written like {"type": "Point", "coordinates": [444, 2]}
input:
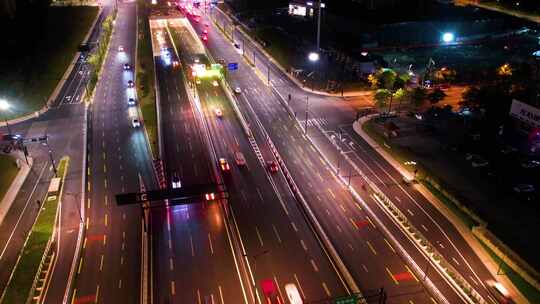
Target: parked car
{"type": "Point", "coordinates": [524, 188]}
{"type": "Point", "coordinates": [237, 90]}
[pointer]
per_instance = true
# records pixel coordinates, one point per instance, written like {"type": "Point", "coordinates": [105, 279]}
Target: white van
{"type": "Point", "coordinates": [292, 294]}
{"type": "Point", "coordinates": [239, 159]}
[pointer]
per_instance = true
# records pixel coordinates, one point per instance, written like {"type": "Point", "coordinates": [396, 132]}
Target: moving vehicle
{"type": "Point", "coordinates": [500, 293]}
{"type": "Point", "coordinates": [215, 83]}
{"type": "Point", "coordinates": [272, 166]}
{"type": "Point", "coordinates": [127, 67]}
{"type": "Point", "coordinates": [524, 188]}
{"type": "Point", "coordinates": [218, 112]}
{"type": "Point", "coordinates": [135, 122]}
{"type": "Point", "coordinates": [224, 165]}
{"type": "Point", "coordinates": [131, 101]}
{"type": "Point", "coordinates": [270, 292]}
{"type": "Point", "coordinates": [292, 294]}
{"type": "Point", "coordinates": [205, 37]}
{"type": "Point", "coordinates": [239, 158]}
{"type": "Point", "coordinates": [237, 90]}
{"type": "Point", "coordinates": [130, 84]}
{"type": "Point", "coordinates": [176, 181]}
{"type": "Point", "coordinates": [120, 48]}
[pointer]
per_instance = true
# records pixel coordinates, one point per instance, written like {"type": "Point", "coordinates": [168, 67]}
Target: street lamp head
{"type": "Point", "coordinates": [4, 105]}
{"type": "Point", "coordinates": [313, 56]}
{"type": "Point", "coordinates": [448, 37]}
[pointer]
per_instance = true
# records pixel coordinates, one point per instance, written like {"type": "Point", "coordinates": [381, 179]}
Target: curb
{"type": "Point", "coordinates": [14, 188]}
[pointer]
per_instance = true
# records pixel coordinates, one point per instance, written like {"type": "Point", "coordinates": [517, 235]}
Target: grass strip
{"type": "Point", "coordinates": [22, 279]}
{"type": "Point", "coordinates": [145, 76]}
{"type": "Point", "coordinates": [528, 291]}
{"type": "Point", "coordinates": [29, 77]}
{"type": "Point", "coordinates": [8, 171]}
{"type": "Point", "coordinates": [99, 53]}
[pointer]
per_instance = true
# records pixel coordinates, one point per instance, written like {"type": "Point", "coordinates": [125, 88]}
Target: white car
{"type": "Point", "coordinates": [524, 188]}
{"type": "Point", "coordinates": [215, 83]}
{"type": "Point", "coordinates": [292, 294]}
{"type": "Point", "coordinates": [135, 122]}
{"type": "Point", "coordinates": [218, 112]}
{"type": "Point", "coordinates": [237, 90]}
{"type": "Point", "coordinates": [176, 181]}
{"type": "Point", "coordinates": [120, 48]}
{"type": "Point", "coordinates": [131, 101]}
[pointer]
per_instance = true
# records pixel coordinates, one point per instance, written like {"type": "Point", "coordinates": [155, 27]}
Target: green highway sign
{"type": "Point", "coordinates": [347, 300]}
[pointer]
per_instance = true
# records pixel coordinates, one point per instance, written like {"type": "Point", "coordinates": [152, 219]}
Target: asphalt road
{"type": "Point", "coordinates": [286, 135]}
{"type": "Point", "coordinates": [192, 259]}
{"type": "Point", "coordinates": [118, 157]}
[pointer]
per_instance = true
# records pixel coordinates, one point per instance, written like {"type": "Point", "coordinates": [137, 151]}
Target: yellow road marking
{"type": "Point", "coordinates": [104, 239]}
{"type": "Point", "coordinates": [371, 247]}
{"type": "Point", "coordinates": [353, 223]}
{"type": "Point", "coordinates": [387, 243]}
{"type": "Point", "coordinates": [331, 193]}
{"type": "Point", "coordinates": [370, 222]}
{"type": "Point", "coordinates": [84, 244]}
{"type": "Point", "coordinates": [392, 276]}
{"type": "Point", "coordinates": [414, 276]}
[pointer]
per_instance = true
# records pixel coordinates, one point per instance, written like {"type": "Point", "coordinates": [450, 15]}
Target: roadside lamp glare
{"type": "Point", "coordinates": [448, 37]}
{"type": "Point", "coordinates": [313, 56]}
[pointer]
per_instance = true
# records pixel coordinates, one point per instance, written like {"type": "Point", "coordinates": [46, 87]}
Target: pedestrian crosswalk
{"type": "Point", "coordinates": [320, 121]}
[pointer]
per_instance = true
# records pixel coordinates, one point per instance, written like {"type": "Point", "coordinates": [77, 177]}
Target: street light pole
{"type": "Point", "coordinates": [4, 106]}
{"type": "Point", "coordinates": [307, 113]}
{"type": "Point", "coordinates": [319, 27]}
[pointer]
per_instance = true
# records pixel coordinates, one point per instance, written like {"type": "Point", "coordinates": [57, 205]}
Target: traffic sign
{"type": "Point", "coordinates": [347, 300]}
{"type": "Point", "coordinates": [232, 66]}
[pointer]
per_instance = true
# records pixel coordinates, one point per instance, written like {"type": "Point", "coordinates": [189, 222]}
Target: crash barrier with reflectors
{"type": "Point", "coordinates": [184, 195]}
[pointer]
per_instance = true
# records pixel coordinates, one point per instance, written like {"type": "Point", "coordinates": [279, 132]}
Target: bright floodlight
{"type": "Point", "coordinates": [4, 105]}
{"type": "Point", "coordinates": [448, 37]}
{"type": "Point", "coordinates": [313, 56]}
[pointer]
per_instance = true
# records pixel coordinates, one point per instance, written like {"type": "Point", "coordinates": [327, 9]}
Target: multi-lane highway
{"type": "Point", "coordinates": [118, 160]}
{"type": "Point", "coordinates": [270, 104]}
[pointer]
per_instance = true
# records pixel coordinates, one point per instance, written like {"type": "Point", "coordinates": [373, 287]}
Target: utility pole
{"type": "Point", "coordinates": [319, 27]}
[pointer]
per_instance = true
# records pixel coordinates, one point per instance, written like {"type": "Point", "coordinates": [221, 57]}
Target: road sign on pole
{"type": "Point", "coordinates": [232, 66]}
{"type": "Point", "coordinates": [347, 300]}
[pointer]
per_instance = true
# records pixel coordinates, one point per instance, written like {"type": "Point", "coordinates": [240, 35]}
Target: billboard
{"type": "Point", "coordinates": [525, 113]}
{"type": "Point", "coordinates": [297, 10]}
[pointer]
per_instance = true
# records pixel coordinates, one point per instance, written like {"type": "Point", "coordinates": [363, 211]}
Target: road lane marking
{"type": "Point", "coordinates": [343, 208]}
{"type": "Point", "coordinates": [276, 232]}
{"type": "Point", "coordinates": [322, 160]}
{"type": "Point", "coordinates": [303, 245]}
{"type": "Point", "coordinates": [351, 246]}
{"type": "Point", "coordinates": [365, 268]}
{"type": "Point", "coordinates": [120, 284]}
{"type": "Point", "coordinates": [328, 212]}
{"type": "Point", "coordinates": [170, 244]}
{"type": "Point", "coordinates": [433, 300]}
{"type": "Point", "coordinates": [198, 296]}
{"type": "Point", "coordinates": [410, 271]}
{"type": "Point", "coordinates": [455, 261]}
{"type": "Point", "coordinates": [314, 265]}
{"type": "Point", "coordinates": [84, 243]}
{"type": "Point", "coordinates": [411, 302]}
{"type": "Point", "coordinates": [106, 219]}
{"type": "Point", "coordinates": [367, 217]}
{"type": "Point", "coordinates": [106, 200]}
{"type": "Point", "coordinates": [88, 203]}
{"type": "Point", "coordinates": [74, 296]}
{"type": "Point", "coordinates": [313, 149]}
{"type": "Point", "coordinates": [425, 228]}
{"type": "Point", "coordinates": [391, 276]}
{"type": "Point", "coordinates": [387, 243]}
{"type": "Point", "coordinates": [331, 193]}
{"type": "Point", "coordinates": [326, 289]}
{"type": "Point", "coordinates": [105, 183]}
{"type": "Point", "coordinates": [192, 248]}
{"type": "Point", "coordinates": [104, 239]}
{"type": "Point", "coordinates": [173, 291]}
{"type": "Point", "coordinates": [260, 195]}
{"type": "Point", "coordinates": [210, 242]}
{"type": "Point", "coordinates": [358, 206]}
{"type": "Point", "coordinates": [353, 223]}
{"type": "Point", "coordinates": [294, 227]}
{"type": "Point", "coordinates": [221, 295]}
{"type": "Point", "coordinates": [97, 294]}
{"type": "Point", "coordinates": [339, 228]}
{"type": "Point", "coordinates": [371, 247]}
{"type": "Point", "coordinates": [410, 212]}
{"type": "Point", "coordinates": [87, 221]}
{"type": "Point", "coordinates": [259, 236]}
{"type": "Point", "coordinates": [80, 265]}
{"type": "Point", "coordinates": [171, 264]}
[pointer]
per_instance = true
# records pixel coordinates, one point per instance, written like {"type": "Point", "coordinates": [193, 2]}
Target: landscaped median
{"type": "Point", "coordinates": [145, 76]}
{"type": "Point", "coordinates": [37, 243]}
{"type": "Point", "coordinates": [8, 171]}
{"type": "Point", "coordinates": [100, 53]}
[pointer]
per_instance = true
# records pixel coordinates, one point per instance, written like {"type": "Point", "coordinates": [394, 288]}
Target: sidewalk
{"type": "Point", "coordinates": [465, 232]}
{"type": "Point", "coordinates": [17, 183]}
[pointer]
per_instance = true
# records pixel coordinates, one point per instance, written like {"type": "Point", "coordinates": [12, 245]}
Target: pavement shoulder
{"type": "Point", "coordinates": [16, 185]}
{"type": "Point", "coordinates": [460, 226]}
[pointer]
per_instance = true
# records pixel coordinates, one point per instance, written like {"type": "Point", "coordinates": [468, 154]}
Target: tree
{"type": "Point", "coordinates": [445, 74]}
{"type": "Point", "coordinates": [382, 96]}
{"type": "Point", "coordinates": [504, 70]}
{"type": "Point", "coordinates": [418, 96]}
{"type": "Point", "coordinates": [387, 78]}
{"type": "Point", "coordinates": [435, 96]}
{"type": "Point", "coordinates": [373, 81]}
